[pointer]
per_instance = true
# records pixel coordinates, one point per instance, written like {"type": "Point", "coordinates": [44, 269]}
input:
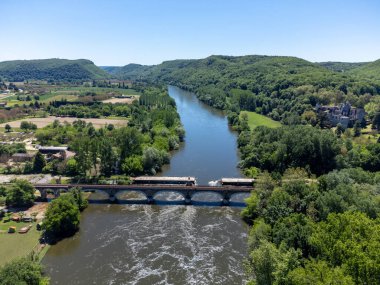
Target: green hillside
{"type": "Point", "coordinates": [51, 69]}
{"type": "Point", "coordinates": [341, 66]}
{"type": "Point", "coordinates": [280, 87]}
{"type": "Point", "coordinates": [369, 71]}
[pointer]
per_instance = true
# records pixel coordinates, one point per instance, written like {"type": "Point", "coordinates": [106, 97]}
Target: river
{"type": "Point", "coordinates": [164, 244]}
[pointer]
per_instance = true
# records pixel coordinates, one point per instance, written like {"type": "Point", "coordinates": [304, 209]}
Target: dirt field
{"type": "Point", "coordinates": [43, 122]}
{"type": "Point", "coordinates": [121, 100]}
{"type": "Point", "coordinates": [39, 208]}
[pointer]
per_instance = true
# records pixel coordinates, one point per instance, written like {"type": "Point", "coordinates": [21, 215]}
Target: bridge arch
{"type": "Point", "coordinates": [158, 196]}
{"type": "Point", "coordinates": [134, 196]}
{"type": "Point", "coordinates": [40, 194]}
{"type": "Point", "coordinates": [207, 196]}
{"type": "Point", "coordinates": [97, 196]}
{"type": "Point", "coordinates": [238, 199]}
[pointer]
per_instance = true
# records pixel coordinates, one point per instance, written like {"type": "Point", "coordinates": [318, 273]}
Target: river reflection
{"type": "Point", "coordinates": [210, 149]}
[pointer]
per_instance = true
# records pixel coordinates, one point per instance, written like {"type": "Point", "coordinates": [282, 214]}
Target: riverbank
{"type": "Point", "coordinates": [16, 245]}
{"type": "Point", "coordinates": [158, 244]}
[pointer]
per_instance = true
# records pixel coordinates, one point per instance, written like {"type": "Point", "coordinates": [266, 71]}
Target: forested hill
{"type": "Point", "coordinates": [51, 70]}
{"type": "Point", "coordinates": [365, 70]}
{"type": "Point", "coordinates": [341, 66]}
{"type": "Point", "coordinates": [131, 70]}
{"type": "Point", "coordinates": [370, 70]}
{"type": "Point", "coordinates": [277, 86]}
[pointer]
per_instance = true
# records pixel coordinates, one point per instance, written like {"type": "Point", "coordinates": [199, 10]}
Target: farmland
{"type": "Point", "coordinates": [43, 122]}
{"type": "Point", "coordinates": [121, 100]}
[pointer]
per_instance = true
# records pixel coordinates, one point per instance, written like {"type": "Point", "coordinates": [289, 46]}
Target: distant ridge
{"type": "Point", "coordinates": [281, 87]}
{"type": "Point", "coordinates": [341, 66]}
{"type": "Point", "coordinates": [51, 69]}
{"type": "Point", "coordinates": [370, 70]}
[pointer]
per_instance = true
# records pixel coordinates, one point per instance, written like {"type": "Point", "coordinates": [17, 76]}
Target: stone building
{"type": "Point", "coordinates": [344, 114]}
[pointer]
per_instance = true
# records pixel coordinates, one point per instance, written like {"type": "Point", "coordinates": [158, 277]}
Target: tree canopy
{"type": "Point", "coordinates": [22, 271]}
{"type": "Point", "coordinates": [20, 194]}
{"type": "Point", "coordinates": [62, 217]}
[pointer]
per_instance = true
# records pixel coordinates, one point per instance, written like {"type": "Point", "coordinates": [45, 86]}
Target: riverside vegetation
{"type": "Point", "coordinates": [315, 209]}
{"type": "Point", "coordinates": [154, 129]}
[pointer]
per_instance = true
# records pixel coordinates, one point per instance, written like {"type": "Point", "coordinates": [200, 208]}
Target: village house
{"type": "Point", "coordinates": [343, 114]}
{"type": "Point", "coordinates": [64, 154]}
{"type": "Point", "coordinates": [51, 149]}
{"type": "Point", "coordinates": [56, 152]}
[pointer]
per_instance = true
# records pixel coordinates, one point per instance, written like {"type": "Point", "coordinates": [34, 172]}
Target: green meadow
{"type": "Point", "coordinates": [255, 120]}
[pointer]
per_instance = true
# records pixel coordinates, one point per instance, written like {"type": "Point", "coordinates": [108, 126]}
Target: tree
{"type": "Point", "coordinates": [71, 166]}
{"type": "Point", "coordinates": [24, 125]}
{"type": "Point", "coordinates": [27, 126]}
{"type": "Point", "coordinates": [129, 141]}
{"type": "Point", "coordinates": [110, 127]}
{"type": "Point", "coordinates": [269, 264]}
{"type": "Point", "coordinates": [107, 157]}
{"type": "Point", "coordinates": [251, 211]}
{"type": "Point", "coordinates": [133, 165]}
{"type": "Point", "coordinates": [153, 159]}
{"type": "Point", "coordinates": [376, 121]}
{"type": "Point", "coordinates": [8, 128]}
{"type": "Point", "coordinates": [339, 130]}
{"type": "Point", "coordinates": [319, 273]}
{"type": "Point", "coordinates": [20, 194]}
{"type": "Point", "coordinates": [62, 217]}
{"type": "Point", "coordinates": [22, 271]}
{"type": "Point", "coordinates": [357, 129]}
{"type": "Point", "coordinates": [77, 194]}
{"type": "Point", "coordinates": [39, 162]}
{"type": "Point", "coordinates": [350, 240]}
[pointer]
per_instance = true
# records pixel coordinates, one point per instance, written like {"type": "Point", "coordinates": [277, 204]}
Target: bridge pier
{"type": "Point", "coordinates": [112, 196]}
{"type": "Point", "coordinates": [57, 193]}
{"type": "Point", "coordinates": [150, 199]}
{"type": "Point", "coordinates": [226, 198]}
{"type": "Point", "coordinates": [187, 197]}
{"type": "Point", "coordinates": [43, 193]}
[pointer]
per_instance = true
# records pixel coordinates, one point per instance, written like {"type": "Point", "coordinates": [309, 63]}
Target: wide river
{"type": "Point", "coordinates": [164, 244]}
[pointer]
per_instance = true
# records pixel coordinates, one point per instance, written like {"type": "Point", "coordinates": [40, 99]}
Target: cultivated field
{"type": "Point", "coordinates": [43, 122]}
{"type": "Point", "coordinates": [121, 100]}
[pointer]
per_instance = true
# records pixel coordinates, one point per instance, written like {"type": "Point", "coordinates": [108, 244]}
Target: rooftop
{"type": "Point", "coordinates": [238, 180]}
{"type": "Point", "coordinates": [23, 155]}
{"type": "Point", "coordinates": [52, 147]}
{"type": "Point", "coordinates": [166, 178]}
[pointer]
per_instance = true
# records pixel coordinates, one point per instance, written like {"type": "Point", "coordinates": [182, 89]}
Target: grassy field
{"type": "Point", "coordinates": [17, 245]}
{"type": "Point", "coordinates": [46, 98]}
{"type": "Point", "coordinates": [255, 120]}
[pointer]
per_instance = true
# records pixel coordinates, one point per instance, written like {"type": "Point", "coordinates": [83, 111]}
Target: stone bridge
{"type": "Point", "coordinates": [150, 191]}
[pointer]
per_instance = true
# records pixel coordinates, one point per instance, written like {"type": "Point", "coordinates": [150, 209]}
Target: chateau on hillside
{"type": "Point", "coordinates": [344, 114]}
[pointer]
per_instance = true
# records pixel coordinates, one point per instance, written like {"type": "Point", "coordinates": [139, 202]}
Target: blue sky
{"type": "Point", "coordinates": [115, 32]}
